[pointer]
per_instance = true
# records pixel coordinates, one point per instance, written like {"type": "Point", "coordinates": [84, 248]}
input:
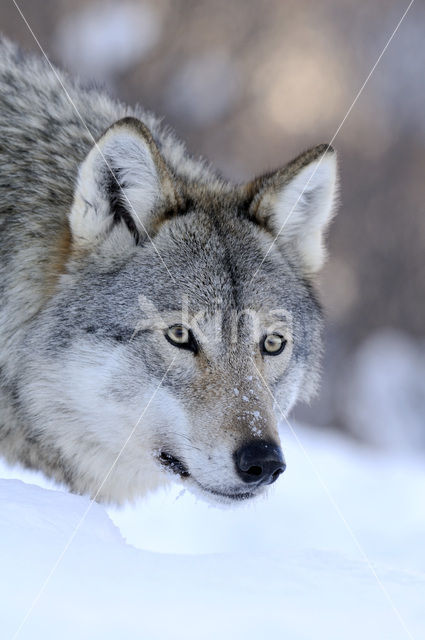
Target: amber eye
{"type": "Point", "coordinates": [273, 344]}
{"type": "Point", "coordinates": [182, 337]}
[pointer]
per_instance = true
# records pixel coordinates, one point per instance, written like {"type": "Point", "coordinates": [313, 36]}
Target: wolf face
{"type": "Point", "coordinates": [185, 312]}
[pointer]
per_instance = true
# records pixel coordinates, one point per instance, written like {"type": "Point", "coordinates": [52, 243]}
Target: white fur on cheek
{"type": "Point", "coordinates": [90, 424]}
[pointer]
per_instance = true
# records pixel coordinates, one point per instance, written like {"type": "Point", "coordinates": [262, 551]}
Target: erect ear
{"type": "Point", "coordinates": [123, 180]}
{"type": "Point", "coordinates": [296, 203]}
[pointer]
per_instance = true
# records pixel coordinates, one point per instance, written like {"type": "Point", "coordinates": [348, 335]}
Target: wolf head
{"type": "Point", "coordinates": [185, 323]}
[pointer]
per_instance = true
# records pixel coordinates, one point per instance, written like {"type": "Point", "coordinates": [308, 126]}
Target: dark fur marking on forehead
{"type": "Point", "coordinates": [230, 263]}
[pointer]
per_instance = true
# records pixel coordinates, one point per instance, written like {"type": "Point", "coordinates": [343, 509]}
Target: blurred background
{"type": "Point", "coordinates": [250, 84]}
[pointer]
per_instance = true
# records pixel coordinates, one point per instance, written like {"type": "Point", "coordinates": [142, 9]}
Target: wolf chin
{"type": "Point", "coordinates": [156, 320]}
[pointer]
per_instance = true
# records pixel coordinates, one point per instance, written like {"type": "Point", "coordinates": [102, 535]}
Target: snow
{"type": "Point", "coordinates": [335, 551]}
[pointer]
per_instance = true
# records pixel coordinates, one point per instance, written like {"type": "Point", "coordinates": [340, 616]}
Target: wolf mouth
{"type": "Point", "coordinates": [231, 496]}
{"type": "Point", "coordinates": [226, 495]}
{"type": "Point", "coordinates": [174, 464]}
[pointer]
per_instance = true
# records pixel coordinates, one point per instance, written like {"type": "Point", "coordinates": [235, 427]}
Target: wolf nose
{"type": "Point", "coordinates": [260, 462]}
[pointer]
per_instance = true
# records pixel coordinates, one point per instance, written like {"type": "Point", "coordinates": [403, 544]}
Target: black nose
{"type": "Point", "coordinates": [260, 462]}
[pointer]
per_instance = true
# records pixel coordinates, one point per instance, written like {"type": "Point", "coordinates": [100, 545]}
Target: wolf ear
{"type": "Point", "coordinates": [296, 203]}
{"type": "Point", "coordinates": [123, 179]}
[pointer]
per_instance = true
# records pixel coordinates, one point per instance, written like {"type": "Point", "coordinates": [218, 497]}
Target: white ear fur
{"type": "Point", "coordinates": [300, 210]}
{"type": "Point", "coordinates": [118, 180]}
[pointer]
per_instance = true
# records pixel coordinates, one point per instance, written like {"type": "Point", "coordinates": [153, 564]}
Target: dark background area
{"type": "Point", "coordinates": [251, 84]}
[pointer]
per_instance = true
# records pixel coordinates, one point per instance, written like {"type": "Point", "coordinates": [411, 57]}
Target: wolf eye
{"type": "Point", "coordinates": [182, 337]}
{"type": "Point", "coordinates": [272, 344]}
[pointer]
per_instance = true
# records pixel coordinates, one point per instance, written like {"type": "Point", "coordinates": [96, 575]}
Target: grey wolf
{"type": "Point", "coordinates": [139, 287]}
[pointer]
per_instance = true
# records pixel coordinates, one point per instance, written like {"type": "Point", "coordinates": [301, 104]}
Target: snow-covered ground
{"type": "Point", "coordinates": [336, 552]}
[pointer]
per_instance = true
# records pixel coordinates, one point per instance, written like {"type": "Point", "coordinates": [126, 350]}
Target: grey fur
{"type": "Point", "coordinates": [74, 375]}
